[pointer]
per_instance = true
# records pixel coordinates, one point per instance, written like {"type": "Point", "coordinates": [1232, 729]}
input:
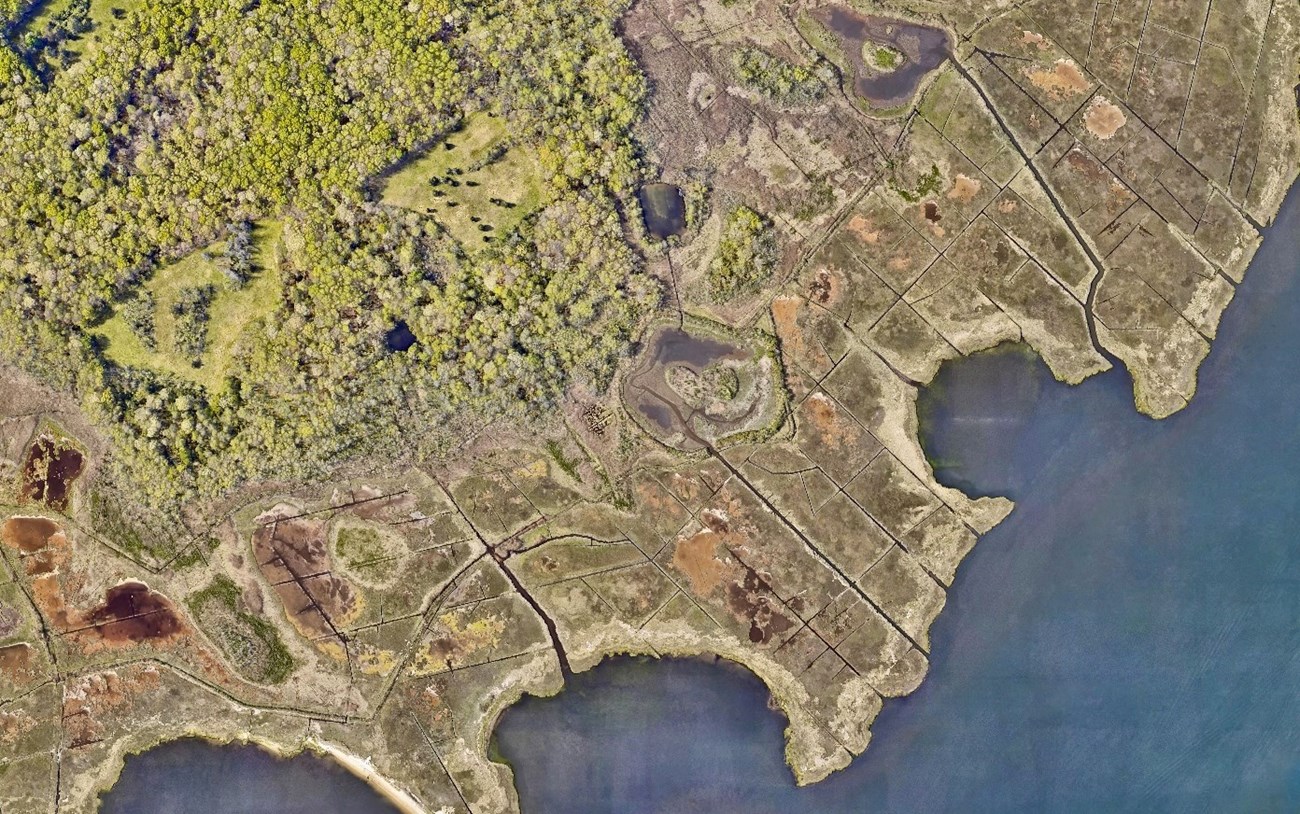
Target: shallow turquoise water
{"type": "Point", "coordinates": [1128, 640]}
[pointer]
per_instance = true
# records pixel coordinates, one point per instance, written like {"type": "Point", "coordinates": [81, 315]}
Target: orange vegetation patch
{"type": "Point", "coordinates": [964, 189]}
{"type": "Point", "coordinates": [1061, 81]}
{"type": "Point", "coordinates": [863, 229]}
{"type": "Point", "coordinates": [1103, 118]}
{"type": "Point", "coordinates": [29, 535]}
{"type": "Point", "coordinates": [696, 557]}
{"type": "Point", "coordinates": [785, 316]}
{"type": "Point", "coordinates": [131, 613]}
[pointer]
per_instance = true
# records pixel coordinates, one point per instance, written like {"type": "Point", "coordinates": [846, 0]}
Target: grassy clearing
{"type": "Point", "coordinates": [475, 183]}
{"type": "Point", "coordinates": [103, 15]}
{"type": "Point", "coordinates": [233, 309]}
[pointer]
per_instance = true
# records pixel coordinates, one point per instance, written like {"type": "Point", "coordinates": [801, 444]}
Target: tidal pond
{"type": "Point", "coordinates": [1126, 641]}
{"type": "Point", "coordinates": [196, 777]}
{"type": "Point", "coordinates": [914, 51]}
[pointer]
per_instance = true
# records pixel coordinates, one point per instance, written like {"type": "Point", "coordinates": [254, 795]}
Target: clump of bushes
{"type": "Point", "coordinates": [190, 337]}
{"type": "Point", "coordinates": [251, 642]}
{"type": "Point", "coordinates": [138, 313]}
{"type": "Point", "coordinates": [746, 255]}
{"type": "Point", "coordinates": [778, 78]}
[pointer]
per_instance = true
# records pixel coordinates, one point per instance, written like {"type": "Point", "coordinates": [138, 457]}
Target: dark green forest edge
{"type": "Point", "coordinates": [188, 121]}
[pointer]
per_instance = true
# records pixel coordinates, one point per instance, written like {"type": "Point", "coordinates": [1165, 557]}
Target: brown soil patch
{"type": "Point", "coordinates": [49, 472]}
{"type": "Point", "coordinates": [1033, 38]}
{"type": "Point", "coordinates": [1062, 81]}
{"type": "Point", "coordinates": [932, 212]}
{"type": "Point", "coordinates": [1103, 118]}
{"type": "Point", "coordinates": [41, 543]}
{"type": "Point", "coordinates": [863, 229]}
{"type": "Point", "coordinates": [29, 534]}
{"type": "Point", "coordinates": [696, 558]}
{"type": "Point", "coordinates": [16, 662]}
{"type": "Point", "coordinates": [1007, 207]}
{"type": "Point", "coordinates": [964, 189]}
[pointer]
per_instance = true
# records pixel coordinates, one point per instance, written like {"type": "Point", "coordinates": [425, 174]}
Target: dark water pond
{"type": "Point", "coordinates": [1128, 640]}
{"type": "Point", "coordinates": [196, 777]}
{"type": "Point", "coordinates": [399, 338]}
{"type": "Point", "coordinates": [663, 209]}
{"type": "Point", "coordinates": [923, 49]}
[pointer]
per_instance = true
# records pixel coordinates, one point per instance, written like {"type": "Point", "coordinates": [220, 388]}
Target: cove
{"type": "Point", "coordinates": [1127, 640]}
{"type": "Point", "coordinates": [196, 777]}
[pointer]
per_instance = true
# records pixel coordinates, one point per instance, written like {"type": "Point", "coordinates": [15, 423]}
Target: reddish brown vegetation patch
{"type": "Point", "coordinates": [1087, 166]}
{"type": "Point", "coordinates": [294, 557]}
{"type": "Point", "coordinates": [824, 288]}
{"type": "Point", "coordinates": [49, 472]}
{"type": "Point", "coordinates": [133, 613]}
{"type": "Point", "coordinates": [88, 698]}
{"type": "Point", "coordinates": [752, 599]}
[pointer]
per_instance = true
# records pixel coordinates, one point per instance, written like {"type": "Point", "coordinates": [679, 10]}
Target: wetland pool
{"type": "Point", "coordinates": [663, 209]}
{"type": "Point", "coordinates": [921, 48]}
{"type": "Point", "coordinates": [1127, 640]}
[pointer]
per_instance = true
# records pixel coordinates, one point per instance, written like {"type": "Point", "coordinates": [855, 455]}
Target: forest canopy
{"type": "Point", "coordinates": [192, 115]}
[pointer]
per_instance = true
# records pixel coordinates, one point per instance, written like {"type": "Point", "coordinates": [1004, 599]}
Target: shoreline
{"type": "Point", "coordinates": [363, 770]}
